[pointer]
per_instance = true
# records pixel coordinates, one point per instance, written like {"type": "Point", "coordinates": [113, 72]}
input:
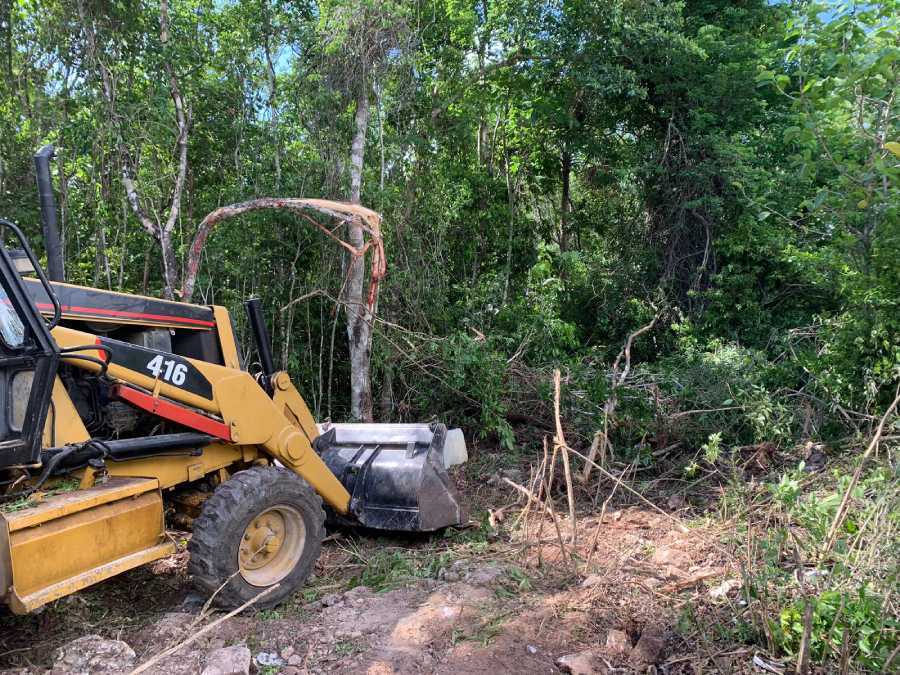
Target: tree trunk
{"type": "Point", "coordinates": [565, 201]}
{"type": "Point", "coordinates": [169, 265]}
{"type": "Point", "coordinates": [359, 319]}
{"type": "Point", "coordinates": [273, 104]}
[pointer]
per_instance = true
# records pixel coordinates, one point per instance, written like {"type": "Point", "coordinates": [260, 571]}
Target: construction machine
{"type": "Point", "coordinates": [119, 411]}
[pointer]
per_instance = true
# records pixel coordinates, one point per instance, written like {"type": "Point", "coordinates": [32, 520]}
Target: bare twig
{"type": "Point", "coordinates": [146, 665]}
{"type": "Point", "coordinates": [560, 441]}
{"type": "Point", "coordinates": [845, 501]}
{"type": "Point", "coordinates": [803, 658]}
{"type": "Point", "coordinates": [548, 509]}
{"type": "Point", "coordinates": [618, 480]}
{"type": "Point", "coordinates": [609, 407]}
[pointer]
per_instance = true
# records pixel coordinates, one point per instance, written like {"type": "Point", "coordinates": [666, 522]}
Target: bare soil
{"type": "Point", "coordinates": [634, 592]}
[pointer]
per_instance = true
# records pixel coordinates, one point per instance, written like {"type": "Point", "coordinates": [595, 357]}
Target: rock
{"type": "Point", "coordinates": [193, 602]}
{"type": "Point", "coordinates": [617, 643]}
{"type": "Point", "coordinates": [330, 600]}
{"type": "Point", "coordinates": [171, 627]}
{"type": "Point", "coordinates": [287, 652]}
{"type": "Point", "coordinates": [515, 475]}
{"type": "Point", "coordinates": [358, 592]}
{"type": "Point", "coordinates": [295, 660]}
{"type": "Point", "coordinates": [228, 661]}
{"type": "Point", "coordinates": [723, 589]}
{"type": "Point", "coordinates": [672, 562]}
{"type": "Point", "coordinates": [93, 655]}
{"type": "Point", "coordinates": [531, 649]}
{"type": "Point", "coordinates": [650, 648]}
{"type": "Point", "coordinates": [269, 659]}
{"type": "Point", "coordinates": [581, 663]}
{"type": "Point", "coordinates": [672, 557]}
{"type": "Point", "coordinates": [482, 576]}
{"type": "Point", "coordinates": [592, 580]}
{"type": "Point", "coordinates": [676, 502]}
{"type": "Point", "coordinates": [816, 459]}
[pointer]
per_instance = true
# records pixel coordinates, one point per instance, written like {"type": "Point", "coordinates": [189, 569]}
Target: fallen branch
{"type": "Point", "coordinates": [681, 527]}
{"type": "Point", "coordinates": [146, 665]}
{"type": "Point", "coordinates": [369, 221]}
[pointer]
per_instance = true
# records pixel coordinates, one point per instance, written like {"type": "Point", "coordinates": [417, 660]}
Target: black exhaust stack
{"type": "Point", "coordinates": [55, 269]}
{"type": "Point", "coordinates": [261, 338]}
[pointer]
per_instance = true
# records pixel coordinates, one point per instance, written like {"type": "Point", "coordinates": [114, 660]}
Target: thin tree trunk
{"type": "Point", "coordinates": [565, 201]}
{"type": "Point", "coordinates": [6, 17]}
{"type": "Point", "coordinates": [359, 320]}
{"type": "Point", "coordinates": [273, 105]}
{"type": "Point", "coordinates": [162, 232]}
{"type": "Point", "coordinates": [169, 264]}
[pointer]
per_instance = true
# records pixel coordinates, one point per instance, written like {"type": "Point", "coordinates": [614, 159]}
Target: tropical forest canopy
{"type": "Point", "coordinates": [553, 177]}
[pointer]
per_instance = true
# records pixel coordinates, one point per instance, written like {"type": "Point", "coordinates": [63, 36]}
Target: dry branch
{"type": "Point", "coordinates": [548, 509]}
{"type": "Point", "coordinates": [601, 444]}
{"type": "Point", "coordinates": [146, 665]}
{"type": "Point", "coordinates": [560, 441]}
{"type": "Point", "coordinates": [369, 221]}
{"type": "Point", "coordinates": [845, 501]}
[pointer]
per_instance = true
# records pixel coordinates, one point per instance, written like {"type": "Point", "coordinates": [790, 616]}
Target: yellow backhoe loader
{"type": "Point", "coordinates": [118, 411]}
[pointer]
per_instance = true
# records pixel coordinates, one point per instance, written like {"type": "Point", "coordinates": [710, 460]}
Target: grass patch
{"type": "Point", "coordinates": [386, 570]}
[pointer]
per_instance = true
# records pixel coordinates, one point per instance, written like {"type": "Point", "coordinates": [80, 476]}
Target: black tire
{"type": "Point", "coordinates": [224, 525]}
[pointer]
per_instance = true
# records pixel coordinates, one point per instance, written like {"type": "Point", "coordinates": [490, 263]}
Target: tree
{"type": "Point", "coordinates": [161, 230]}
{"type": "Point", "coordinates": [360, 36]}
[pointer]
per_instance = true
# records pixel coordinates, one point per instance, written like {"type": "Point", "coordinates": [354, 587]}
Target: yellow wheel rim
{"type": "Point", "coordinates": [271, 545]}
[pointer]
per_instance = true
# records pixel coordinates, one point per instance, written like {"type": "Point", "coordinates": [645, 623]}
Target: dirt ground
{"type": "Point", "coordinates": [642, 590]}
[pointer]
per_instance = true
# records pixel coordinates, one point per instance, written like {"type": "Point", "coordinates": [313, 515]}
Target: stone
{"type": "Point", "coordinates": [172, 627]}
{"type": "Point", "coordinates": [592, 580]}
{"type": "Point", "coordinates": [228, 661]}
{"type": "Point", "coordinates": [94, 655]}
{"type": "Point", "coordinates": [617, 643]}
{"type": "Point", "coordinates": [269, 659]}
{"type": "Point", "coordinates": [723, 589]}
{"type": "Point", "coordinates": [295, 660]}
{"type": "Point", "coordinates": [650, 647]}
{"type": "Point", "coordinates": [676, 502]}
{"type": "Point", "coordinates": [287, 652]}
{"type": "Point", "coordinates": [330, 600]}
{"type": "Point", "coordinates": [483, 576]}
{"type": "Point", "coordinates": [581, 663]}
{"type": "Point", "coordinates": [671, 557]}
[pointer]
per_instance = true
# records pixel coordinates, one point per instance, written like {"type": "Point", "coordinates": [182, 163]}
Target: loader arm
{"type": "Point", "coordinates": [179, 388]}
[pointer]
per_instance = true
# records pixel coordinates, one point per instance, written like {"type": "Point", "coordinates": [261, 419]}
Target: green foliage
{"type": "Point", "coordinates": [861, 615]}
{"type": "Point", "coordinates": [848, 592]}
{"type": "Point", "coordinates": [550, 174]}
{"type": "Point", "coordinates": [385, 570]}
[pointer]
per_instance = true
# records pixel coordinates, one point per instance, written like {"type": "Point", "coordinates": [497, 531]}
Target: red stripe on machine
{"type": "Point", "coordinates": [172, 412]}
{"type": "Point", "coordinates": [129, 315]}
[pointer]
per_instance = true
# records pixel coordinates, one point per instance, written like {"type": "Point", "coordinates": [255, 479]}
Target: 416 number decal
{"type": "Point", "coordinates": [168, 370]}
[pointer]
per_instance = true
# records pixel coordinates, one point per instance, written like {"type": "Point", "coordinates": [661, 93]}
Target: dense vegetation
{"type": "Point", "coordinates": [553, 177]}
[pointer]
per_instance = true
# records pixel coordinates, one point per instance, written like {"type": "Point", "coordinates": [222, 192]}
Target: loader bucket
{"type": "Point", "coordinates": [396, 474]}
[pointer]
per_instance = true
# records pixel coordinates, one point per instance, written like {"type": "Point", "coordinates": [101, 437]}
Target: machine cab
{"type": "Point", "coordinates": [28, 359]}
